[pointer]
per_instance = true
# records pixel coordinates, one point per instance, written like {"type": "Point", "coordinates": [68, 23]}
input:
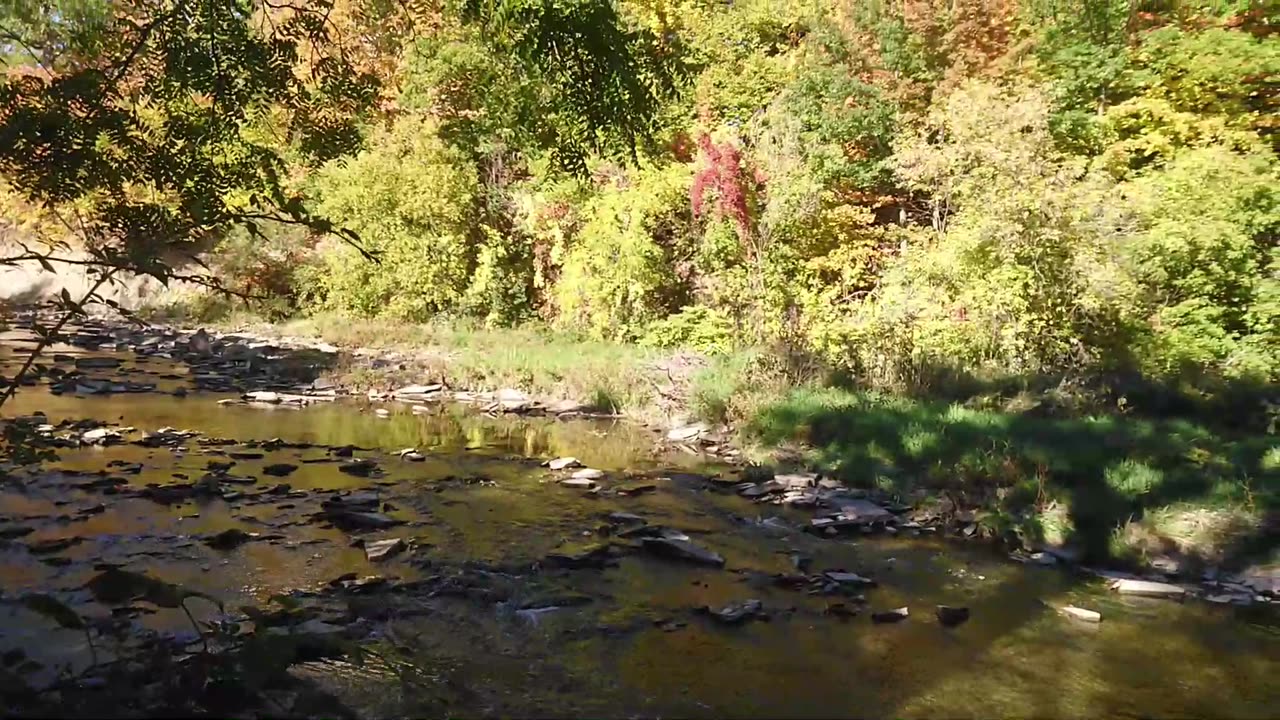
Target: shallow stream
{"type": "Point", "coordinates": [623, 640]}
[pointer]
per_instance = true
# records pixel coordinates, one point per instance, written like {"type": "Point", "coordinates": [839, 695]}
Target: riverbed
{"type": "Point", "coordinates": [517, 595]}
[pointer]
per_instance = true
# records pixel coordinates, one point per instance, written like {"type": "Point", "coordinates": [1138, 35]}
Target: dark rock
{"type": "Point", "coordinates": [951, 616]}
{"type": "Point", "coordinates": [245, 455]}
{"type": "Point", "coordinates": [841, 610]}
{"type": "Point", "coordinates": [48, 547]}
{"type": "Point", "coordinates": [677, 549]}
{"type": "Point", "coordinates": [279, 469]}
{"type": "Point", "coordinates": [359, 468]}
{"type": "Point", "coordinates": [630, 490]}
{"type": "Point", "coordinates": [344, 451]}
{"type": "Point", "coordinates": [625, 517]}
{"type": "Point", "coordinates": [15, 531]}
{"type": "Point", "coordinates": [890, 616]}
{"type": "Point", "coordinates": [359, 520]}
{"type": "Point", "coordinates": [229, 539]}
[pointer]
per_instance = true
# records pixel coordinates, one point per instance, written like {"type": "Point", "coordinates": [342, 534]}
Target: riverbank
{"type": "Point", "coordinates": [1174, 495]}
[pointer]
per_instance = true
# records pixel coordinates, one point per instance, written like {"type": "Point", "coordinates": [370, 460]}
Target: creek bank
{"type": "Point", "coordinates": [288, 373]}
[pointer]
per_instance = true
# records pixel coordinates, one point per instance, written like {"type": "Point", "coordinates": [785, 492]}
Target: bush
{"type": "Point", "coordinates": [411, 199]}
{"type": "Point", "coordinates": [696, 327]}
{"type": "Point", "coordinates": [619, 274]}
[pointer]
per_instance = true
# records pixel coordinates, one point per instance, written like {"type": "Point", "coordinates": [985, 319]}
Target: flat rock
{"type": "Point", "coordinates": [97, 363]}
{"type": "Point", "coordinates": [576, 482]}
{"type": "Point", "coordinates": [848, 578]}
{"type": "Point", "coordinates": [1147, 588]}
{"type": "Point", "coordinates": [587, 474]}
{"type": "Point", "coordinates": [262, 396]}
{"type": "Point", "coordinates": [101, 436]}
{"type": "Point", "coordinates": [359, 519]}
{"type": "Point", "coordinates": [382, 549]}
{"type": "Point", "coordinates": [563, 463]}
{"type": "Point", "coordinates": [684, 434]}
{"type": "Point", "coordinates": [596, 556]}
{"type": "Point", "coordinates": [1079, 613]}
{"type": "Point", "coordinates": [681, 549]}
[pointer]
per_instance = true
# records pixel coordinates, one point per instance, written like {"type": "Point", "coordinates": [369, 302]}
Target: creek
{"type": "Point", "coordinates": [513, 594]}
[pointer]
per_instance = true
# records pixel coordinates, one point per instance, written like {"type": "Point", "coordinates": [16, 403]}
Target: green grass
{"type": "Point", "coordinates": [609, 377]}
{"type": "Point", "coordinates": [1180, 486]}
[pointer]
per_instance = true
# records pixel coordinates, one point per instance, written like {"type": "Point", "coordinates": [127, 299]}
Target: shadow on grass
{"type": "Point", "coordinates": [1099, 473]}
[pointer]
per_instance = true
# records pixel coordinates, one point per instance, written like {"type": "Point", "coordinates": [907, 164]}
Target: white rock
{"type": "Point", "coordinates": [1147, 588]}
{"type": "Point", "coordinates": [412, 455]}
{"type": "Point", "coordinates": [576, 482]}
{"type": "Point", "coordinates": [420, 409]}
{"type": "Point", "coordinates": [587, 474]}
{"type": "Point", "coordinates": [263, 396]}
{"type": "Point", "coordinates": [100, 435]}
{"type": "Point", "coordinates": [382, 549]}
{"type": "Point", "coordinates": [1092, 616]}
{"type": "Point", "coordinates": [382, 412]}
{"type": "Point", "coordinates": [563, 463]}
{"type": "Point", "coordinates": [686, 433]}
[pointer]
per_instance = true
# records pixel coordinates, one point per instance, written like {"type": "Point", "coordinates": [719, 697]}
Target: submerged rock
{"type": "Point", "coordinates": [890, 616]}
{"type": "Point", "coordinates": [279, 469]}
{"type": "Point", "coordinates": [737, 613]}
{"type": "Point", "coordinates": [681, 549]}
{"type": "Point", "coordinates": [597, 556]}
{"type": "Point", "coordinates": [229, 539]}
{"type": "Point", "coordinates": [359, 519]}
{"type": "Point", "coordinates": [951, 616]}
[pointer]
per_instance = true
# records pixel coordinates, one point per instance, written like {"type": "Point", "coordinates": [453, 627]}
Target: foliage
{"type": "Point", "coordinates": [410, 197]}
{"type": "Point", "coordinates": [616, 275]}
{"type": "Point", "coordinates": [696, 327]}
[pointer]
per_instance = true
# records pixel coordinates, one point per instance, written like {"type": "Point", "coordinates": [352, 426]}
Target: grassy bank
{"type": "Point", "coordinates": [1114, 486]}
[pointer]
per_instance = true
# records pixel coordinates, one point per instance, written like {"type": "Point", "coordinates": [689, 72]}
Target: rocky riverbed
{"type": "Point", "coordinates": [216, 514]}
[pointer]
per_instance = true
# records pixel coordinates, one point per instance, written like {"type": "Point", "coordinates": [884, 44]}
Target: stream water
{"type": "Point", "coordinates": [622, 640]}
